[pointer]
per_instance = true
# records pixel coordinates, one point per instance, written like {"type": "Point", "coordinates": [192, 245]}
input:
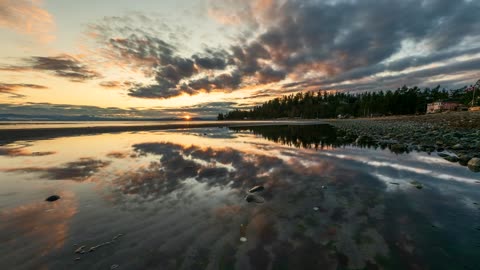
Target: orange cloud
{"type": "Point", "coordinates": [27, 17]}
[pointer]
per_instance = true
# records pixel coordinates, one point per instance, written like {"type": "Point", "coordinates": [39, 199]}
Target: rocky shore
{"type": "Point", "coordinates": [453, 136]}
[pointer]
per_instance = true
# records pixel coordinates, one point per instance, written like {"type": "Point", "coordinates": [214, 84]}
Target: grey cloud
{"type": "Point", "coordinates": [269, 75]}
{"type": "Point", "coordinates": [116, 84]}
{"type": "Point", "coordinates": [12, 88]}
{"type": "Point", "coordinates": [212, 59]}
{"type": "Point", "coordinates": [62, 66]}
{"type": "Point", "coordinates": [341, 40]}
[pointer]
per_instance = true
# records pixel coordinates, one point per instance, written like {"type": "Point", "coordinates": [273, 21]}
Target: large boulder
{"type": "Point", "coordinates": [474, 164]}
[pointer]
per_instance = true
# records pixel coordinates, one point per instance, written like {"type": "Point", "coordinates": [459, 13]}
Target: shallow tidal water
{"type": "Point", "coordinates": [175, 199]}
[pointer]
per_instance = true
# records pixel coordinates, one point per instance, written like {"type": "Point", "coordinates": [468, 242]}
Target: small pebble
{"type": "Point", "coordinates": [243, 239]}
{"type": "Point", "coordinates": [77, 259]}
{"type": "Point", "coordinates": [114, 266]}
{"type": "Point", "coordinates": [315, 208]}
{"type": "Point", "coordinates": [52, 198]}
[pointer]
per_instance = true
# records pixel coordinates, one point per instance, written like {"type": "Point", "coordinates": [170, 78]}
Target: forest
{"type": "Point", "coordinates": [322, 104]}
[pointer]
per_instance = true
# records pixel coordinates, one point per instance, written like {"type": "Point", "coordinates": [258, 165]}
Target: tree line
{"type": "Point", "coordinates": [322, 104]}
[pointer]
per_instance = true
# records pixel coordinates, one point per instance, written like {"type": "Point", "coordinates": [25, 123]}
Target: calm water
{"type": "Point", "coordinates": [174, 199]}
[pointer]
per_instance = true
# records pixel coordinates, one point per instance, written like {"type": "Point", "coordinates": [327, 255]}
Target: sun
{"type": "Point", "coordinates": [187, 117]}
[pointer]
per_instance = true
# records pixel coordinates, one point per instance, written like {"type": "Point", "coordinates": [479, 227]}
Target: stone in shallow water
{"type": "Point", "coordinates": [474, 164]}
{"type": "Point", "coordinates": [52, 198]}
{"type": "Point", "coordinates": [254, 198]}
{"type": "Point", "coordinates": [418, 185]}
{"type": "Point", "coordinates": [80, 250]}
{"type": "Point", "coordinates": [256, 189]}
{"type": "Point", "coordinates": [315, 208]}
{"type": "Point", "coordinates": [451, 158]}
{"type": "Point", "coordinates": [243, 239]}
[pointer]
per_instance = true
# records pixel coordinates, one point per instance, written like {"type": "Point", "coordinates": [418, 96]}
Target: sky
{"type": "Point", "coordinates": [178, 58]}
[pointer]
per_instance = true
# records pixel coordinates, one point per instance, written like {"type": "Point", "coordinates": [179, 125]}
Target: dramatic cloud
{"type": "Point", "coordinates": [299, 44]}
{"type": "Point", "coordinates": [26, 16]}
{"type": "Point", "coordinates": [63, 66]}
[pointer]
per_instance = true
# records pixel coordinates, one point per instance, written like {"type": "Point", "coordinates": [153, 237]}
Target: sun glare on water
{"type": "Point", "coordinates": [187, 117]}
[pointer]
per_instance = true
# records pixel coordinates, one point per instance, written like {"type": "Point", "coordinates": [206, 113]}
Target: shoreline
{"type": "Point", "coordinates": [453, 136]}
{"type": "Point", "coordinates": [9, 135]}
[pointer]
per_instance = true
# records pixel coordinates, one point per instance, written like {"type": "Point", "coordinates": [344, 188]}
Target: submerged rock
{"type": "Point", "coordinates": [256, 189]}
{"type": "Point", "coordinates": [418, 185]}
{"type": "Point", "coordinates": [474, 164]}
{"type": "Point", "coordinates": [80, 250]}
{"type": "Point", "coordinates": [254, 198]}
{"type": "Point", "coordinates": [52, 198]}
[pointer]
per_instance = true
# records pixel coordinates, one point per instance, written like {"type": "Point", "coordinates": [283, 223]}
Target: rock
{"type": "Point", "coordinates": [443, 155]}
{"type": "Point", "coordinates": [451, 158]}
{"type": "Point", "coordinates": [457, 147]}
{"type": "Point", "coordinates": [474, 164]}
{"type": "Point", "coordinates": [254, 198]}
{"type": "Point", "coordinates": [315, 208]}
{"type": "Point", "coordinates": [52, 198]}
{"type": "Point", "coordinates": [256, 189]}
{"type": "Point", "coordinates": [394, 183]}
{"type": "Point", "coordinates": [464, 159]}
{"type": "Point", "coordinates": [243, 239]}
{"type": "Point", "coordinates": [114, 266]}
{"type": "Point", "coordinates": [418, 185]}
{"type": "Point", "coordinates": [77, 259]}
